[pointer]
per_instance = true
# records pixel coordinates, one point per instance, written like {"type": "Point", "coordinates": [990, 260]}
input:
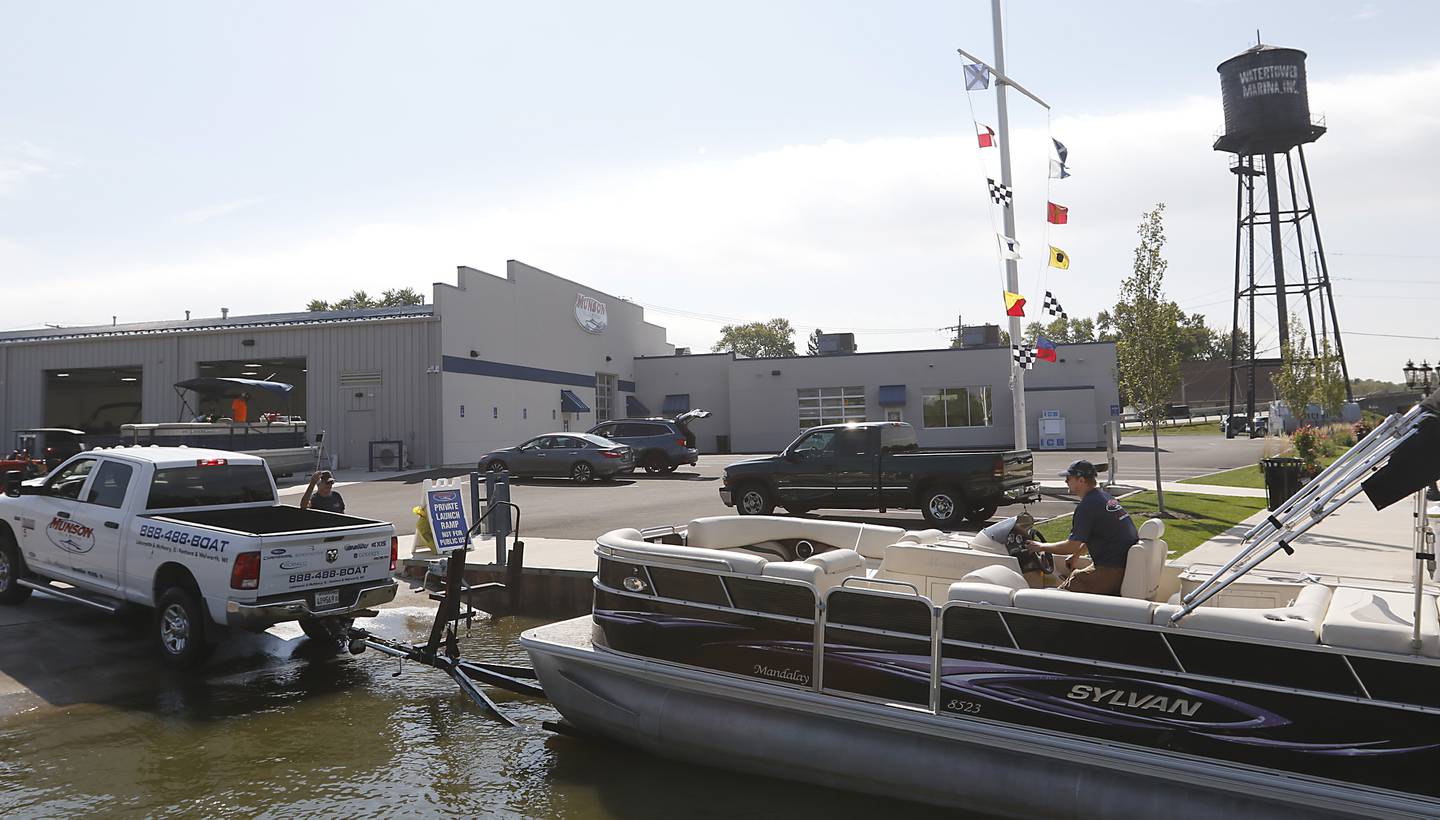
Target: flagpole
{"type": "Point", "coordinates": [1012, 268]}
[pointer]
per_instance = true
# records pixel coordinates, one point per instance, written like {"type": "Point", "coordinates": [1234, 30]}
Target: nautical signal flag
{"type": "Point", "coordinates": [986, 135]}
{"type": "Point", "coordinates": [1009, 248]}
{"type": "Point", "coordinates": [1044, 349]}
{"type": "Point", "coordinates": [1059, 259]}
{"type": "Point", "coordinates": [1000, 194]}
{"type": "Point", "coordinates": [1057, 214]}
{"type": "Point", "coordinates": [1058, 170]}
{"type": "Point", "coordinates": [1024, 356]}
{"type": "Point", "coordinates": [1061, 151]}
{"type": "Point", "coordinates": [977, 77]}
{"type": "Point", "coordinates": [1014, 304]}
{"type": "Point", "coordinates": [1052, 306]}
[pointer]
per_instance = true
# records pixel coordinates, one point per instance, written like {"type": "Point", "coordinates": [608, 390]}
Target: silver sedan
{"type": "Point", "coordinates": [582, 457]}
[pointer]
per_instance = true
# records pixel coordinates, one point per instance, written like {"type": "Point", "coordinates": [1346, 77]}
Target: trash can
{"type": "Point", "coordinates": [1282, 479]}
{"type": "Point", "coordinates": [722, 444]}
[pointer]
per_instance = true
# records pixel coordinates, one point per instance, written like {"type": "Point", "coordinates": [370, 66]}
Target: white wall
{"type": "Point", "coordinates": [706, 378]}
{"type": "Point", "coordinates": [527, 321]}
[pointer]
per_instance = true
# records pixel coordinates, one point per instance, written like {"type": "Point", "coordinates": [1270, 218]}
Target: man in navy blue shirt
{"type": "Point", "coordinates": [1100, 527]}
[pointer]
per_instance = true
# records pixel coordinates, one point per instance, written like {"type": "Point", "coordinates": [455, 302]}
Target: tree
{"type": "Point", "coordinates": [812, 345]}
{"type": "Point", "coordinates": [757, 339]}
{"type": "Point", "coordinates": [360, 300]}
{"type": "Point", "coordinates": [1329, 380]}
{"type": "Point", "coordinates": [1147, 334]}
{"type": "Point", "coordinates": [1295, 380]}
{"type": "Point", "coordinates": [1062, 331]}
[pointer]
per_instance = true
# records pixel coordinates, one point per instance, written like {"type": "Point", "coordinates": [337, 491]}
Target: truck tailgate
{"type": "Point", "coordinates": [309, 561]}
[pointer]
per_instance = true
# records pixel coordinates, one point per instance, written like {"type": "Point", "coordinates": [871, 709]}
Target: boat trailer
{"type": "Point", "coordinates": [442, 650]}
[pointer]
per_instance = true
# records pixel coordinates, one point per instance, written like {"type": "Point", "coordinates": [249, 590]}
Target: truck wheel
{"type": "Point", "coordinates": [180, 628]}
{"type": "Point", "coordinates": [12, 566]}
{"type": "Point", "coordinates": [655, 463]}
{"type": "Point", "coordinates": [942, 506]}
{"type": "Point", "coordinates": [332, 629]}
{"type": "Point", "coordinates": [979, 515]}
{"type": "Point", "coordinates": [754, 499]}
{"type": "Point", "coordinates": [582, 473]}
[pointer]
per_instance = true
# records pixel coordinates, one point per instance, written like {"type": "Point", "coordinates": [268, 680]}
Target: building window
{"type": "Point", "coordinates": [830, 405]}
{"type": "Point", "coordinates": [957, 406]}
{"type": "Point", "coordinates": [605, 384]}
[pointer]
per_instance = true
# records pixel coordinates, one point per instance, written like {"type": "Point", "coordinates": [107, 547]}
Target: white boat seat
{"type": "Point", "coordinates": [729, 531]}
{"type": "Point", "coordinates": [979, 592]}
{"type": "Point", "coordinates": [1381, 621]}
{"type": "Point", "coordinates": [1085, 604]}
{"type": "Point", "coordinates": [933, 568]}
{"type": "Point", "coordinates": [628, 544]}
{"type": "Point", "coordinates": [923, 536]}
{"type": "Point", "coordinates": [1297, 623]}
{"type": "Point", "coordinates": [823, 571]}
{"type": "Point", "coordinates": [997, 574]}
{"type": "Point", "coordinates": [1145, 562]}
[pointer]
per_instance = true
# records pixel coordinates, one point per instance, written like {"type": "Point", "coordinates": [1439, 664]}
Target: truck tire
{"type": "Point", "coordinates": [942, 506]}
{"type": "Point", "coordinates": [754, 499]}
{"type": "Point", "coordinates": [12, 566]}
{"type": "Point", "coordinates": [979, 515]}
{"type": "Point", "coordinates": [180, 626]}
{"type": "Point", "coordinates": [332, 629]}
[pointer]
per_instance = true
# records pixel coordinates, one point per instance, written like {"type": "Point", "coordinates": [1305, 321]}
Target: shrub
{"type": "Point", "coordinates": [1361, 429]}
{"type": "Point", "coordinates": [1308, 443]}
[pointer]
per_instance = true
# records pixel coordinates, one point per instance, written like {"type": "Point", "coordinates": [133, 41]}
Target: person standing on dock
{"type": "Point", "coordinates": [1101, 527]}
{"type": "Point", "coordinates": [240, 407]}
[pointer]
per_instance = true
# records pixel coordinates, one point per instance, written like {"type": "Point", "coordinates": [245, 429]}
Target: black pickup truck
{"type": "Point", "coordinates": [878, 466]}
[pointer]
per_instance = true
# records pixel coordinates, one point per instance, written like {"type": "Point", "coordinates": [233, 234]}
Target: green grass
{"type": "Point", "coordinates": [1197, 518]}
{"type": "Point", "coordinates": [1247, 476]}
{"type": "Point", "coordinates": [1209, 428]}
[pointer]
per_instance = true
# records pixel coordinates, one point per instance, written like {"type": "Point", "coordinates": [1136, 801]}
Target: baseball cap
{"type": "Point", "coordinates": [326, 475]}
{"type": "Point", "coordinates": [1081, 469]}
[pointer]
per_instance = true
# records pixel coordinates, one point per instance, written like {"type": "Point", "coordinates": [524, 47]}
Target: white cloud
{"type": "Point", "coordinates": [196, 216]}
{"type": "Point", "coordinates": [881, 234]}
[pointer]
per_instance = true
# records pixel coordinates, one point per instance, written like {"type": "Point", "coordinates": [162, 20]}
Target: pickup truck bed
{"type": "Point", "coordinates": [279, 520]}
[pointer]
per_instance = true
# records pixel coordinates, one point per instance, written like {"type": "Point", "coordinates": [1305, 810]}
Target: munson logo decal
{"type": "Point", "coordinates": [590, 313]}
{"type": "Point", "coordinates": [70, 536]}
{"type": "Point", "coordinates": [1133, 700]}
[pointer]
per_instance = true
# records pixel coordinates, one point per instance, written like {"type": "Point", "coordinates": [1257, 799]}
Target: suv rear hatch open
{"type": "Point", "coordinates": [687, 416]}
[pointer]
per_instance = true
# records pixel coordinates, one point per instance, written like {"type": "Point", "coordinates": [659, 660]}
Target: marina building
{"type": "Point", "coordinates": [493, 360]}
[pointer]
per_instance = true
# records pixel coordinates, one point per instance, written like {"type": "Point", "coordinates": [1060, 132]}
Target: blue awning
{"type": "Point", "coordinates": [571, 403]}
{"type": "Point", "coordinates": [636, 409]}
{"type": "Point", "coordinates": [676, 403]}
{"type": "Point", "coordinates": [892, 395]}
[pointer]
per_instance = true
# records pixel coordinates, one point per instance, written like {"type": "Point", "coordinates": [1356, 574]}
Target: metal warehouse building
{"type": "Point", "coordinates": [494, 360]}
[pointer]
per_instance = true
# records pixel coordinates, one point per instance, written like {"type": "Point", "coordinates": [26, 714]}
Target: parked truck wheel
{"type": "Point", "coordinates": [942, 506]}
{"type": "Point", "coordinates": [979, 515]}
{"type": "Point", "coordinates": [180, 625]}
{"type": "Point", "coordinates": [754, 499]}
{"type": "Point", "coordinates": [333, 629]}
{"type": "Point", "coordinates": [12, 566]}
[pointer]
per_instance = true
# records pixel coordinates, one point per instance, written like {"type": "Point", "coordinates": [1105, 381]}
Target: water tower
{"type": "Point", "coordinates": [1267, 125]}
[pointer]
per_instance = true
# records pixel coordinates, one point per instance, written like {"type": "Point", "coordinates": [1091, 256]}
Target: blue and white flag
{"type": "Point", "coordinates": [977, 77]}
{"type": "Point", "coordinates": [1058, 170]}
{"type": "Point", "coordinates": [1061, 151]}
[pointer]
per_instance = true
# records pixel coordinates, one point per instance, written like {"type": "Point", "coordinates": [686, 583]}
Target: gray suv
{"type": "Point", "coordinates": [660, 445]}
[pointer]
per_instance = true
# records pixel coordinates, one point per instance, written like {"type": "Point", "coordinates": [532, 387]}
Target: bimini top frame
{"type": "Point", "coordinates": [1332, 489]}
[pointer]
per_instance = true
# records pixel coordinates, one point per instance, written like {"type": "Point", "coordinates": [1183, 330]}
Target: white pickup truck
{"type": "Point", "coordinates": [200, 536]}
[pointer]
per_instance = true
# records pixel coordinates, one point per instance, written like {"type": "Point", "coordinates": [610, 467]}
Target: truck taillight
{"type": "Point", "coordinates": [394, 551]}
{"type": "Point", "coordinates": [212, 462]}
{"type": "Point", "coordinates": [245, 572]}
{"type": "Point", "coordinates": [998, 470]}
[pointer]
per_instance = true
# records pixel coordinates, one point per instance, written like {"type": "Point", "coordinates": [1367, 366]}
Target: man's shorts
{"type": "Point", "coordinates": [1096, 580]}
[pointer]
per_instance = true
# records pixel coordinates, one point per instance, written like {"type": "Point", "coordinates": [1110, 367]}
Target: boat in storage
{"type": "Point", "coordinates": [922, 665]}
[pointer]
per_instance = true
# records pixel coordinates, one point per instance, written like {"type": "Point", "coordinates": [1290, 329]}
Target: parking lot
{"type": "Point", "coordinates": [558, 508]}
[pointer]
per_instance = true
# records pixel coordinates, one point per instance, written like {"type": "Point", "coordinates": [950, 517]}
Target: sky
{"type": "Point", "coordinates": [713, 163]}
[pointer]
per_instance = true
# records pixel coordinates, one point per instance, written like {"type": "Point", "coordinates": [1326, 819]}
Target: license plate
{"type": "Point", "coordinates": [327, 598]}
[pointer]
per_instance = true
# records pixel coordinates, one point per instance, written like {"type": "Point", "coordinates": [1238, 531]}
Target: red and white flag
{"type": "Point", "coordinates": [985, 135]}
{"type": "Point", "coordinates": [1059, 214]}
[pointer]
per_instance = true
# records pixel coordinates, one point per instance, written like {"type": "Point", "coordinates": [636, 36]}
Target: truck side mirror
{"type": "Point", "coordinates": [12, 483]}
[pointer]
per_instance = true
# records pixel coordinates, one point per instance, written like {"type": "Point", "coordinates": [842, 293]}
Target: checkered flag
{"type": "Point", "coordinates": [1052, 306]}
{"type": "Point", "coordinates": [1024, 356]}
{"type": "Point", "coordinates": [1001, 194]}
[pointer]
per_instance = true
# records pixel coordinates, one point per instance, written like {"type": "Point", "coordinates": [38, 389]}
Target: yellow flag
{"type": "Point", "coordinates": [1059, 259]}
